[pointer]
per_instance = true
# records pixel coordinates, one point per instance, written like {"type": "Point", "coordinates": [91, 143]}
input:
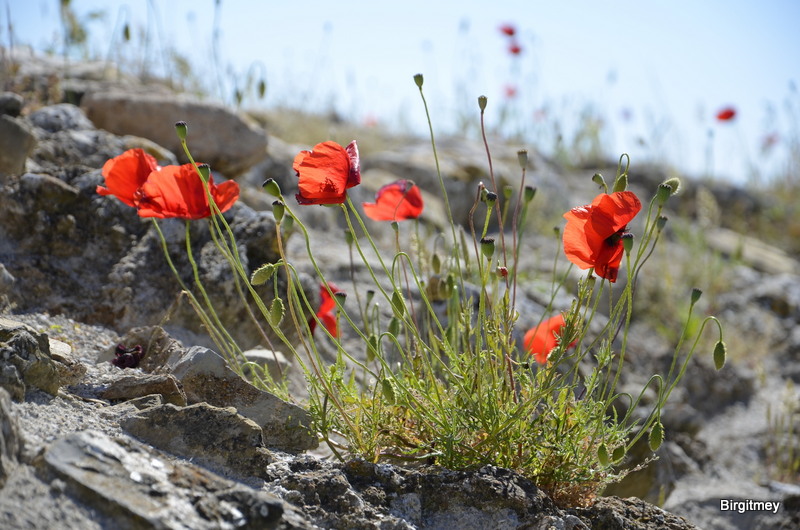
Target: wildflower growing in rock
{"type": "Point", "coordinates": [396, 201]}
{"type": "Point", "coordinates": [542, 339]}
{"type": "Point", "coordinates": [593, 234]}
{"type": "Point", "coordinates": [177, 191]}
{"type": "Point", "coordinates": [726, 114]}
{"type": "Point", "coordinates": [325, 313]}
{"type": "Point", "coordinates": [124, 174]}
{"type": "Point", "coordinates": [326, 172]}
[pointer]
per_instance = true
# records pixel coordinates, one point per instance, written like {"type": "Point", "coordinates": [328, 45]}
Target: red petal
{"type": "Point", "coordinates": [541, 340]}
{"type": "Point", "coordinates": [325, 312]}
{"type": "Point", "coordinates": [508, 29]}
{"type": "Point", "coordinates": [126, 173]}
{"type": "Point", "coordinates": [726, 114]}
{"type": "Point", "coordinates": [177, 191]}
{"type": "Point", "coordinates": [325, 173]}
{"type": "Point", "coordinates": [396, 201]}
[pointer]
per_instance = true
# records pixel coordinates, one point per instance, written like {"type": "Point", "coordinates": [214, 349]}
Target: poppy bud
{"type": "Point", "coordinates": [394, 326]}
{"type": "Point", "coordinates": [182, 129]}
{"type": "Point", "coordinates": [398, 304]}
{"type": "Point", "coordinates": [370, 296]}
{"type": "Point", "coordinates": [598, 179]}
{"type": "Point", "coordinates": [348, 237]}
{"type": "Point", "coordinates": [276, 311]}
{"type": "Point", "coordinates": [720, 352]}
{"type": "Point", "coordinates": [661, 222]}
{"type": "Point", "coordinates": [288, 222]}
{"type": "Point", "coordinates": [395, 226]}
{"type": "Point", "coordinates": [490, 199]}
{"type": "Point", "coordinates": [656, 437]}
{"type": "Point", "coordinates": [262, 89]}
{"type": "Point", "coordinates": [487, 247]}
{"type": "Point", "coordinates": [272, 187]}
{"type": "Point", "coordinates": [674, 185]}
{"type": "Point", "coordinates": [278, 209]}
{"type": "Point", "coordinates": [696, 294]}
{"type": "Point", "coordinates": [529, 193]}
{"type": "Point", "coordinates": [621, 184]}
{"type": "Point", "coordinates": [618, 454]}
{"type": "Point", "coordinates": [436, 263]}
{"type": "Point", "coordinates": [340, 296]}
{"type": "Point", "coordinates": [205, 171]}
{"type": "Point", "coordinates": [557, 231]}
{"type": "Point", "coordinates": [602, 455]}
{"type": "Point", "coordinates": [482, 102]}
{"type": "Point", "coordinates": [418, 80]}
{"type": "Point", "coordinates": [663, 193]}
{"type": "Point", "coordinates": [627, 242]}
{"type": "Point", "coordinates": [507, 192]}
{"type": "Point", "coordinates": [522, 157]}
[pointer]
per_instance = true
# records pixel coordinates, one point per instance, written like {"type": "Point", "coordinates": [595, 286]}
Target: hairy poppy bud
{"type": "Point", "coordinates": [418, 79]}
{"type": "Point", "coordinates": [656, 437]}
{"type": "Point", "coordinates": [272, 187]}
{"type": "Point", "coordinates": [663, 193]}
{"type": "Point", "coordinates": [674, 185]}
{"type": "Point", "coordinates": [696, 294]}
{"type": "Point", "coordinates": [182, 129]}
{"type": "Point", "coordinates": [621, 184]}
{"type": "Point", "coordinates": [278, 209]}
{"type": "Point", "coordinates": [482, 102]}
{"type": "Point", "coordinates": [720, 352]}
{"type": "Point", "coordinates": [598, 179]}
{"type": "Point", "coordinates": [487, 247]}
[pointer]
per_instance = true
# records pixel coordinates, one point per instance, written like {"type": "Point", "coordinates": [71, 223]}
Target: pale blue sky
{"type": "Point", "coordinates": [668, 66]}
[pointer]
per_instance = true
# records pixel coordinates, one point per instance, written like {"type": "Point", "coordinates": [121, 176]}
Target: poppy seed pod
{"type": "Point", "coordinates": [522, 158]}
{"type": "Point", "coordinates": [482, 102]}
{"type": "Point", "coordinates": [181, 129]}
{"type": "Point", "coordinates": [487, 247]}
{"type": "Point", "coordinates": [272, 187]}
{"type": "Point", "coordinates": [696, 294]}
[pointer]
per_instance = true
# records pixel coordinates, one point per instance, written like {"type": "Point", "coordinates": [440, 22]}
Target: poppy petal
{"type": "Point", "coordinates": [542, 339]}
{"type": "Point", "coordinates": [126, 173]}
{"type": "Point", "coordinates": [396, 201]}
{"type": "Point", "coordinates": [325, 173]}
{"type": "Point", "coordinates": [177, 191]}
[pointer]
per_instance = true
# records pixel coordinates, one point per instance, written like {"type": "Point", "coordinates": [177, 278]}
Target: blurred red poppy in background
{"type": "Point", "coordinates": [396, 201]}
{"type": "Point", "coordinates": [177, 191]}
{"type": "Point", "coordinates": [542, 339]}
{"type": "Point", "coordinates": [325, 313]}
{"type": "Point", "coordinates": [326, 172]}
{"type": "Point", "coordinates": [124, 174]}
{"type": "Point", "coordinates": [593, 234]}
{"type": "Point", "coordinates": [514, 48]}
{"type": "Point", "coordinates": [508, 29]}
{"type": "Point", "coordinates": [726, 114]}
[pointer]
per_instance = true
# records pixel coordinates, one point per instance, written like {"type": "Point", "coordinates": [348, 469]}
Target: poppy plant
{"type": "Point", "coordinates": [326, 172]}
{"type": "Point", "coordinates": [593, 234]}
{"type": "Point", "coordinates": [726, 114]}
{"type": "Point", "coordinates": [177, 191]}
{"type": "Point", "coordinates": [325, 312]}
{"type": "Point", "coordinates": [396, 201]}
{"type": "Point", "coordinates": [124, 174]}
{"type": "Point", "coordinates": [542, 339]}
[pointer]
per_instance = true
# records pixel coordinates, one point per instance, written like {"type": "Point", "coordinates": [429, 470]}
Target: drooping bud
{"type": "Point", "coordinates": [656, 437]}
{"type": "Point", "coordinates": [272, 187]}
{"type": "Point", "coordinates": [720, 353]}
{"type": "Point", "coordinates": [487, 247]}
{"type": "Point", "coordinates": [418, 79]}
{"type": "Point", "coordinates": [598, 179]}
{"type": "Point", "coordinates": [436, 263]}
{"type": "Point", "coordinates": [182, 129]}
{"type": "Point", "coordinates": [621, 184]}
{"type": "Point", "coordinates": [276, 312]}
{"type": "Point", "coordinates": [674, 185]}
{"type": "Point", "coordinates": [522, 157]}
{"type": "Point", "coordinates": [395, 226]}
{"type": "Point", "coordinates": [482, 102]}
{"type": "Point", "coordinates": [602, 455]}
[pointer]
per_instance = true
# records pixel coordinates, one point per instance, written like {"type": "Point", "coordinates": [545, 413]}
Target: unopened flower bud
{"type": "Point", "coordinates": [696, 294]}
{"type": "Point", "coordinates": [395, 226]}
{"type": "Point", "coordinates": [418, 80]}
{"type": "Point", "coordinates": [674, 185]}
{"type": "Point", "coordinates": [340, 296]}
{"type": "Point", "coordinates": [662, 194]}
{"type": "Point", "coordinates": [720, 352]}
{"type": "Point", "coordinates": [436, 263]}
{"type": "Point", "coordinates": [621, 184]}
{"type": "Point", "coordinates": [272, 187]}
{"type": "Point", "coordinates": [661, 222]}
{"type": "Point", "coordinates": [182, 129]}
{"type": "Point", "coordinates": [487, 246]}
{"type": "Point", "coordinates": [522, 157]}
{"type": "Point", "coordinates": [482, 102]}
{"type": "Point", "coordinates": [507, 192]}
{"type": "Point", "coordinates": [278, 209]}
{"type": "Point", "coordinates": [491, 198]}
{"type": "Point", "coordinates": [598, 179]}
{"type": "Point", "coordinates": [288, 223]}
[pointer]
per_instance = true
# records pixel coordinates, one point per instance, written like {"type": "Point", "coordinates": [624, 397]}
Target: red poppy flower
{"type": "Point", "coordinates": [726, 114]}
{"type": "Point", "coordinates": [396, 201]}
{"type": "Point", "coordinates": [508, 29]}
{"type": "Point", "coordinates": [510, 91]}
{"type": "Point", "coordinates": [542, 339]}
{"type": "Point", "coordinates": [325, 313]}
{"type": "Point", "coordinates": [326, 172]}
{"type": "Point", "coordinates": [514, 48]}
{"type": "Point", "coordinates": [592, 237]}
{"type": "Point", "coordinates": [126, 173]}
{"type": "Point", "coordinates": [177, 191]}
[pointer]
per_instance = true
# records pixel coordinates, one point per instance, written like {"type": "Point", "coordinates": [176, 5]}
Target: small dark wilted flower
{"type": "Point", "coordinates": [127, 357]}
